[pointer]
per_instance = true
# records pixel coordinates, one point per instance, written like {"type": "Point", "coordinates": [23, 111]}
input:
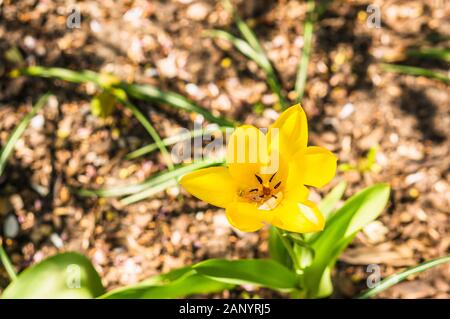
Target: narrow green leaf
{"type": "Point", "coordinates": [412, 70]}
{"type": "Point", "coordinates": [7, 263]}
{"type": "Point", "coordinates": [148, 183]}
{"type": "Point", "coordinates": [302, 72]}
{"type": "Point", "coordinates": [174, 140]}
{"type": "Point", "coordinates": [430, 53]}
{"type": "Point", "coordinates": [7, 149]}
{"type": "Point", "coordinates": [138, 91]}
{"type": "Point", "coordinates": [152, 94]}
{"type": "Point", "coordinates": [396, 278]}
{"type": "Point", "coordinates": [260, 272]}
{"type": "Point", "coordinates": [357, 211]}
{"type": "Point", "coordinates": [67, 275]}
{"type": "Point", "coordinates": [150, 129]}
{"type": "Point", "coordinates": [149, 192]}
{"type": "Point", "coordinates": [259, 58]}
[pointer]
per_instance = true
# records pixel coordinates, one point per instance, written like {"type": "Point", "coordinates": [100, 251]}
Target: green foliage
{"type": "Point", "coordinates": [413, 70]}
{"type": "Point", "coordinates": [138, 91]}
{"type": "Point", "coordinates": [67, 275]}
{"type": "Point", "coordinates": [7, 149]}
{"type": "Point", "coordinates": [357, 212]}
{"type": "Point", "coordinates": [399, 277]}
{"type": "Point", "coordinates": [259, 272]}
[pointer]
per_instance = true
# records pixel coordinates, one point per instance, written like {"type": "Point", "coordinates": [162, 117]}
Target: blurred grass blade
{"type": "Point", "coordinates": [259, 58]}
{"type": "Point", "coordinates": [396, 278]}
{"type": "Point", "coordinates": [244, 29]}
{"type": "Point", "coordinates": [430, 53]}
{"type": "Point", "coordinates": [302, 72]}
{"type": "Point", "coordinates": [412, 70]}
{"type": "Point", "coordinates": [7, 149]}
{"type": "Point", "coordinates": [150, 182]}
{"type": "Point", "coordinates": [152, 94]}
{"type": "Point", "coordinates": [148, 126]}
{"type": "Point", "coordinates": [173, 140]}
{"type": "Point", "coordinates": [7, 263]}
{"type": "Point", "coordinates": [138, 91]}
{"type": "Point", "coordinates": [148, 192]}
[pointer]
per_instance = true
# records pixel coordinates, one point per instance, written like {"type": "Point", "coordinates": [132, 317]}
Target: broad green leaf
{"type": "Point", "coordinates": [358, 211]}
{"type": "Point", "coordinates": [66, 275]}
{"type": "Point", "coordinates": [260, 272]}
{"type": "Point", "coordinates": [412, 70]}
{"type": "Point", "coordinates": [103, 104]}
{"type": "Point", "coordinates": [7, 149]}
{"type": "Point", "coordinates": [183, 286]}
{"type": "Point", "coordinates": [277, 250]}
{"type": "Point", "coordinates": [328, 203]}
{"type": "Point", "coordinates": [396, 278]}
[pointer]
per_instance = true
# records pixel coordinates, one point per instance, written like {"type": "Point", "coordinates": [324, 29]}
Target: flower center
{"type": "Point", "coordinates": [267, 194]}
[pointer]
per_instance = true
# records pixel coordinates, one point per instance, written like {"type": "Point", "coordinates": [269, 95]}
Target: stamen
{"type": "Point", "coordinates": [253, 190]}
{"type": "Point", "coordinates": [274, 197]}
{"type": "Point", "coordinates": [277, 185]}
{"type": "Point", "coordinates": [259, 179]}
{"type": "Point", "coordinates": [270, 180]}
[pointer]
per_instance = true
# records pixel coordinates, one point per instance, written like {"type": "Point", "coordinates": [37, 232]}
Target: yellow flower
{"type": "Point", "coordinates": [265, 176]}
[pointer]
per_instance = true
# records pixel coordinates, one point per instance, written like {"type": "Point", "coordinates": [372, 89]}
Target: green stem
{"type": "Point", "coordinates": [7, 263]}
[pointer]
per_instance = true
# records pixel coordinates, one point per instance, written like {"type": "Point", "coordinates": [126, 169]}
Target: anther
{"type": "Point", "coordinates": [253, 190]}
{"type": "Point", "coordinates": [277, 185]}
{"type": "Point", "coordinates": [274, 197]}
{"type": "Point", "coordinates": [270, 180]}
{"type": "Point", "coordinates": [259, 179]}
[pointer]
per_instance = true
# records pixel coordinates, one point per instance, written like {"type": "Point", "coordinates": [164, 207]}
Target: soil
{"type": "Point", "coordinates": [351, 102]}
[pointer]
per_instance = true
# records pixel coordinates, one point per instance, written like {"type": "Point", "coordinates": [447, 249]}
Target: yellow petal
{"type": "Point", "coordinates": [315, 167]}
{"type": "Point", "coordinates": [290, 131]}
{"type": "Point", "coordinates": [246, 217]}
{"type": "Point", "coordinates": [213, 185]}
{"type": "Point", "coordinates": [247, 154]}
{"type": "Point", "coordinates": [298, 217]}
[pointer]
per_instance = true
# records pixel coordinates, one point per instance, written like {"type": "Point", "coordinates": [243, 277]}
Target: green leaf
{"type": "Point", "coordinates": [412, 70]}
{"type": "Point", "coordinates": [396, 278]}
{"type": "Point", "coordinates": [148, 183]}
{"type": "Point", "coordinates": [7, 149]}
{"type": "Point", "coordinates": [7, 263]}
{"type": "Point", "coordinates": [357, 212]}
{"type": "Point", "coordinates": [258, 57]}
{"type": "Point", "coordinates": [142, 92]}
{"type": "Point", "coordinates": [174, 139]}
{"type": "Point", "coordinates": [67, 275]}
{"type": "Point", "coordinates": [302, 72]}
{"type": "Point", "coordinates": [277, 250]}
{"type": "Point", "coordinates": [430, 53]}
{"type": "Point", "coordinates": [103, 104]}
{"type": "Point", "coordinates": [260, 272]}
{"type": "Point", "coordinates": [152, 94]}
{"type": "Point", "coordinates": [328, 203]}
{"type": "Point", "coordinates": [189, 284]}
